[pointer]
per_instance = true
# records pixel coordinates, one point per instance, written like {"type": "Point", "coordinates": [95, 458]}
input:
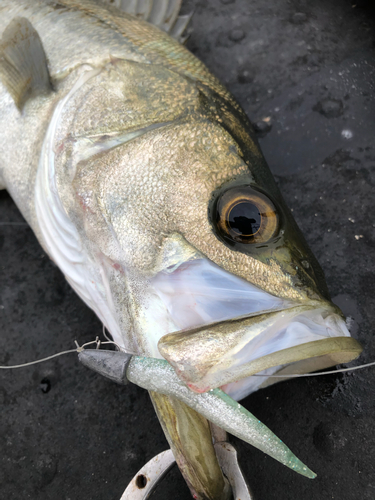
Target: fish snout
{"type": "Point", "coordinates": [232, 354]}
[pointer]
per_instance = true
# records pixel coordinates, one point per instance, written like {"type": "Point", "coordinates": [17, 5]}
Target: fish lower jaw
{"type": "Point", "coordinates": [232, 355]}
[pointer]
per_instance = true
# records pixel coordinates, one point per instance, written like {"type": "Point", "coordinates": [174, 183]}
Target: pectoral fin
{"type": "Point", "coordinates": [23, 63]}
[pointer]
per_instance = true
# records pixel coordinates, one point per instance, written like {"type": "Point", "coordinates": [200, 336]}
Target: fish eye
{"type": "Point", "coordinates": [246, 215]}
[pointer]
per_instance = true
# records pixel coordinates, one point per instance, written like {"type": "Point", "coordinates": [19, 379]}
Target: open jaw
{"type": "Point", "coordinates": [222, 331]}
{"type": "Point", "coordinates": [225, 330]}
{"type": "Point", "coordinates": [230, 330]}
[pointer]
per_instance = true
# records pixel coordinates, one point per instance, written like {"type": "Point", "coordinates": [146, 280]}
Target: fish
{"type": "Point", "coordinates": [143, 181]}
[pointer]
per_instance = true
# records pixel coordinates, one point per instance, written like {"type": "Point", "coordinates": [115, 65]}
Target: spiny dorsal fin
{"type": "Point", "coordinates": [23, 63]}
{"type": "Point", "coordinates": [162, 13]}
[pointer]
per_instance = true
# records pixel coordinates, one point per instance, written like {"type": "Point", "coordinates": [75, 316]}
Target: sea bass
{"type": "Point", "coordinates": [142, 178]}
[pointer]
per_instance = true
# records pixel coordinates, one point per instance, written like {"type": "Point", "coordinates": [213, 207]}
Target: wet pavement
{"type": "Point", "coordinates": [304, 73]}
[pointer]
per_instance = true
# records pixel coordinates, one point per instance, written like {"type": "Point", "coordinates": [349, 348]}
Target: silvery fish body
{"type": "Point", "coordinates": [143, 180]}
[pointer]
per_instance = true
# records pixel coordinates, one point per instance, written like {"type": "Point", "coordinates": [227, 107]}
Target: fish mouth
{"type": "Point", "coordinates": [230, 330]}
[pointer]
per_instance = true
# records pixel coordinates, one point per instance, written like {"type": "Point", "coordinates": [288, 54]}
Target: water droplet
{"type": "Point", "coordinates": [347, 134]}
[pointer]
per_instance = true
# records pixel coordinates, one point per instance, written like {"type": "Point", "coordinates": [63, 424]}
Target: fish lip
{"type": "Point", "coordinates": [204, 374]}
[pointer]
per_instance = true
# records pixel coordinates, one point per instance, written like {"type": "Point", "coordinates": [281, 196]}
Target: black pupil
{"type": "Point", "coordinates": [245, 219]}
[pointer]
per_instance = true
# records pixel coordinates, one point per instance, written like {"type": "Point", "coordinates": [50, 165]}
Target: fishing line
{"type": "Point", "coordinates": [104, 331]}
{"type": "Point", "coordinates": [110, 340]}
{"type": "Point", "coordinates": [78, 349]}
{"type": "Point", "coordinates": [38, 360]}
{"type": "Point", "coordinates": [330, 372]}
{"type": "Point", "coordinates": [99, 343]}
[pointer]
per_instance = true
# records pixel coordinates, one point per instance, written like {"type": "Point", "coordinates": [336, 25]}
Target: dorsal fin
{"type": "Point", "coordinates": [162, 13]}
{"type": "Point", "coordinates": [23, 63]}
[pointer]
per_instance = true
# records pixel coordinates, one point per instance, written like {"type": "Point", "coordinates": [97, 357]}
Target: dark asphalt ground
{"type": "Point", "coordinates": [67, 434]}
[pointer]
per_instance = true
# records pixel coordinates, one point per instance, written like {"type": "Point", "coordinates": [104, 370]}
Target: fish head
{"type": "Point", "coordinates": [197, 256]}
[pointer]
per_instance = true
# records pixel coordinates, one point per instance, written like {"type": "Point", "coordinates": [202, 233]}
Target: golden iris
{"type": "Point", "coordinates": [246, 215]}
